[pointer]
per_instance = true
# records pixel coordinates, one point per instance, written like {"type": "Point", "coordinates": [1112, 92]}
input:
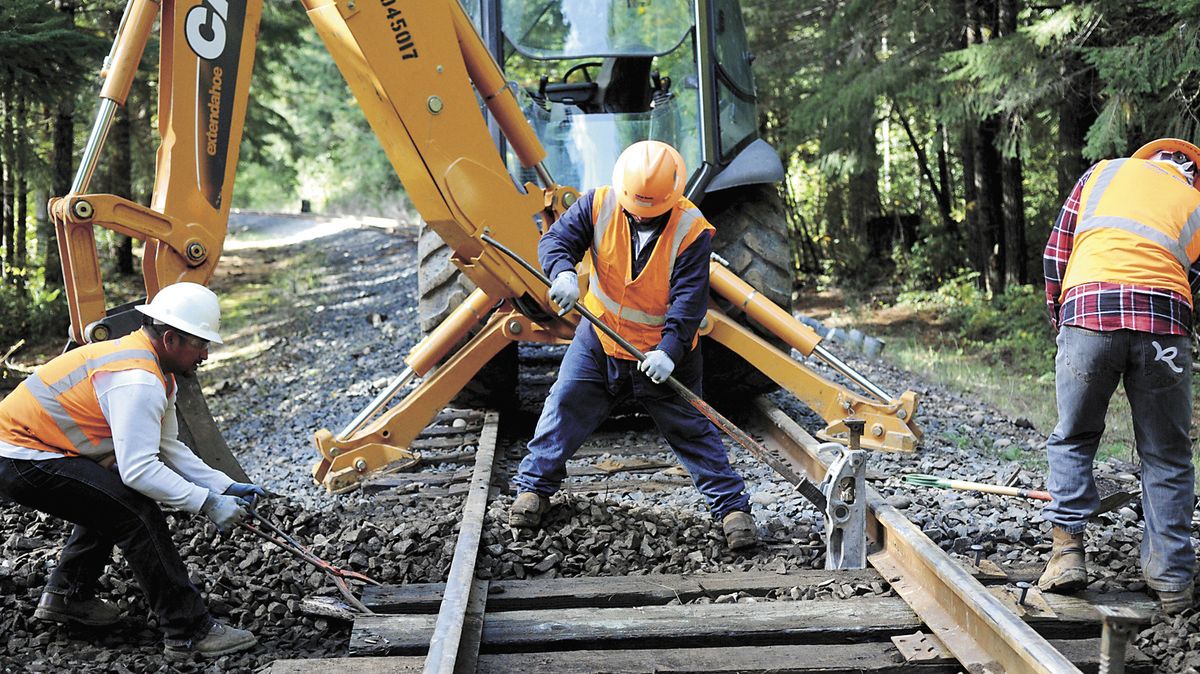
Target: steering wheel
{"type": "Point", "coordinates": [581, 66]}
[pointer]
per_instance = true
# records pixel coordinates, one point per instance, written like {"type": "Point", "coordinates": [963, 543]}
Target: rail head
{"type": "Point", "coordinates": [973, 624]}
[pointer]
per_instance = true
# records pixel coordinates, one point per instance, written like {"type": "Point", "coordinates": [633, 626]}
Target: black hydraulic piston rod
{"type": "Point", "coordinates": [805, 486]}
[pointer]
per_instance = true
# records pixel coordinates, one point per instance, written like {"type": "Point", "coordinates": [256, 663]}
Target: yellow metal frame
{"type": "Point", "coordinates": [889, 426]}
{"type": "Point", "coordinates": [418, 70]}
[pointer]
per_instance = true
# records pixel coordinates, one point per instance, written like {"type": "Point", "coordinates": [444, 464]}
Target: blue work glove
{"type": "Point", "coordinates": [565, 290]}
{"type": "Point", "coordinates": [225, 511]}
{"type": "Point", "coordinates": [247, 492]}
{"type": "Point", "coordinates": [657, 366]}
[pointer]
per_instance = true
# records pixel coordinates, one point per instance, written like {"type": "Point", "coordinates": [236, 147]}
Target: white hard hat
{"type": "Point", "coordinates": [189, 307]}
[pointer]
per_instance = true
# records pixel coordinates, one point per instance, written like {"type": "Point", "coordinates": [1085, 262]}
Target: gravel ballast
{"type": "Point", "coordinates": [329, 339]}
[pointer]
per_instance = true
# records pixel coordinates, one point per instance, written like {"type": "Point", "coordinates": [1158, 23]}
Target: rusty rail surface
{"type": "Point", "coordinates": [976, 627]}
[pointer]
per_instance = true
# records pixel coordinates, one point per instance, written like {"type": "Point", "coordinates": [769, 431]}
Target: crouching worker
{"type": "Point", "coordinates": [650, 249]}
{"type": "Point", "coordinates": [60, 432]}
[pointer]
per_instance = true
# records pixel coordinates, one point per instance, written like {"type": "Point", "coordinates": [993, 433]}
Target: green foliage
{"type": "Point", "coordinates": [306, 137]}
{"type": "Point", "coordinates": [1009, 330]}
{"type": "Point", "coordinates": [38, 313]}
{"type": "Point", "coordinates": [42, 55]}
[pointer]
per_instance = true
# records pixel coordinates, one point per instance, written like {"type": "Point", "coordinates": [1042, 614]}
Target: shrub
{"type": "Point", "coordinates": [38, 314]}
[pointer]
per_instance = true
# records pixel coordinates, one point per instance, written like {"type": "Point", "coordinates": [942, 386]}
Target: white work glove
{"type": "Point", "coordinates": [565, 290]}
{"type": "Point", "coordinates": [225, 511]}
{"type": "Point", "coordinates": [657, 366]}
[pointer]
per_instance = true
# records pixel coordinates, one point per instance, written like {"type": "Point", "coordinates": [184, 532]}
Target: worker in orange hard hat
{"type": "Point", "coordinates": [650, 251]}
{"type": "Point", "coordinates": [1121, 270]}
{"type": "Point", "coordinates": [91, 437]}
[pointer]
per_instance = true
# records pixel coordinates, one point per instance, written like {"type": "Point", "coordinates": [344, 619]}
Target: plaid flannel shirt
{"type": "Point", "coordinates": [1104, 306]}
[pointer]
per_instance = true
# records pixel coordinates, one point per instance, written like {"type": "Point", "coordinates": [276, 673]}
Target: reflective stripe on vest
{"type": "Point", "coordinates": [1139, 225]}
{"type": "Point", "coordinates": [44, 402]}
{"type": "Point", "coordinates": [1089, 221]}
{"type": "Point", "coordinates": [46, 394]}
{"type": "Point", "coordinates": [603, 218]}
{"type": "Point", "coordinates": [635, 307]}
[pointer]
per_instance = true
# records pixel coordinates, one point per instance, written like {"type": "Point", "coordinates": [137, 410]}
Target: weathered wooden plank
{"type": "Point", "coordinates": [400, 665]}
{"type": "Point", "coordinates": [770, 623]}
{"type": "Point", "coordinates": [868, 658]}
{"type": "Point", "coordinates": [607, 592]}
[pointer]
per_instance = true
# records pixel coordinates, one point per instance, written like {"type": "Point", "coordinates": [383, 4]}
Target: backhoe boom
{"type": "Point", "coordinates": [419, 70]}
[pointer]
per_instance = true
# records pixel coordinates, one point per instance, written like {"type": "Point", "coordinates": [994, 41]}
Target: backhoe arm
{"type": "Point", "coordinates": [205, 59]}
{"type": "Point", "coordinates": [419, 70]}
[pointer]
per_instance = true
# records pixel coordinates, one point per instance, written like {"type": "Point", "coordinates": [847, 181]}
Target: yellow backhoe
{"type": "Point", "coordinates": [456, 130]}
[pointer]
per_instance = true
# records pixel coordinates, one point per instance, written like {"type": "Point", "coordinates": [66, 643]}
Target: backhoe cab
{"type": "Point", "coordinates": [593, 77]}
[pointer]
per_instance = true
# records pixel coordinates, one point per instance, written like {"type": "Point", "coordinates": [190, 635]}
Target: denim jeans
{"type": "Point", "coordinates": [589, 385]}
{"type": "Point", "coordinates": [106, 513]}
{"type": "Point", "coordinates": [1156, 370]}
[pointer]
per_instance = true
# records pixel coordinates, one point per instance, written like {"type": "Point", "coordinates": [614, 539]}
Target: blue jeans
{"type": "Point", "coordinates": [107, 513]}
{"type": "Point", "coordinates": [589, 385]}
{"type": "Point", "coordinates": [1156, 370]}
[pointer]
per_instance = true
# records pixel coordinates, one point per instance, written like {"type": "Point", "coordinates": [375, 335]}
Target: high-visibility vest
{"type": "Point", "coordinates": [1139, 224]}
{"type": "Point", "coordinates": [56, 410]}
{"type": "Point", "coordinates": [635, 308]}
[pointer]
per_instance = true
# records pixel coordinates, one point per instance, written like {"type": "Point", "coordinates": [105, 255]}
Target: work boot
{"type": "Point", "coordinates": [740, 530]}
{"type": "Point", "coordinates": [220, 639]}
{"type": "Point", "coordinates": [527, 509]}
{"type": "Point", "coordinates": [1066, 570]}
{"type": "Point", "coordinates": [1174, 603]}
{"type": "Point", "coordinates": [63, 609]}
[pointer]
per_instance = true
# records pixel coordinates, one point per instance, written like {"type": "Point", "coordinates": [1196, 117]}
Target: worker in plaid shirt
{"type": "Point", "coordinates": [1122, 265]}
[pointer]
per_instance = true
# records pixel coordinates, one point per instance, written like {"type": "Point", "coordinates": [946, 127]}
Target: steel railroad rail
{"type": "Point", "coordinates": [945, 619]}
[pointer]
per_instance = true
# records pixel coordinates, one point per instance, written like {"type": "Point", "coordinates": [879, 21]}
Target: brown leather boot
{"type": "Point", "coordinates": [527, 509]}
{"type": "Point", "coordinates": [1174, 603]}
{"type": "Point", "coordinates": [740, 530]}
{"type": "Point", "coordinates": [1066, 571]}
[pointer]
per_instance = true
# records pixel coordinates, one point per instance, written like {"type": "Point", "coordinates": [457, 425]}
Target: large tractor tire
{"type": "Point", "coordinates": [442, 288]}
{"type": "Point", "coordinates": [752, 235]}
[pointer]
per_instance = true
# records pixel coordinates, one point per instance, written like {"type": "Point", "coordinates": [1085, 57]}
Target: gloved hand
{"type": "Point", "coordinates": [225, 511]}
{"type": "Point", "coordinates": [565, 290]}
{"type": "Point", "coordinates": [657, 366]}
{"type": "Point", "coordinates": [247, 492]}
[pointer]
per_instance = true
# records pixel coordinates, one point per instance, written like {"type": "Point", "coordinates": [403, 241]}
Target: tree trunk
{"type": "Point", "coordinates": [989, 212]}
{"type": "Point", "coordinates": [61, 167]}
{"type": "Point", "coordinates": [21, 147]}
{"type": "Point", "coordinates": [121, 184]}
{"type": "Point", "coordinates": [1076, 114]}
{"type": "Point", "coordinates": [6, 192]}
{"type": "Point", "coordinates": [1016, 268]}
{"type": "Point", "coordinates": [989, 187]}
{"type": "Point", "coordinates": [940, 193]}
{"type": "Point", "coordinates": [62, 170]}
{"type": "Point", "coordinates": [1012, 170]}
{"type": "Point", "coordinates": [864, 202]}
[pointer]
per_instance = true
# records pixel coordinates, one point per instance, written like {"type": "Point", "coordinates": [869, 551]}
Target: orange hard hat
{"type": "Point", "coordinates": [1183, 153]}
{"type": "Point", "coordinates": [649, 177]}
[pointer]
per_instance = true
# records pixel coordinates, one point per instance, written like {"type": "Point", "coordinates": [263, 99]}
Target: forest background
{"type": "Point", "coordinates": [929, 147]}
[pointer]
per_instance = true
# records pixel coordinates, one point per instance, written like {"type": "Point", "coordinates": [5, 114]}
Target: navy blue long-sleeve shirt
{"type": "Point", "coordinates": [568, 239]}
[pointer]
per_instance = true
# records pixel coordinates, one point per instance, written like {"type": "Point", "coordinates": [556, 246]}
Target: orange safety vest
{"type": "Point", "coordinates": [1139, 224]}
{"type": "Point", "coordinates": [635, 308]}
{"type": "Point", "coordinates": [56, 410]}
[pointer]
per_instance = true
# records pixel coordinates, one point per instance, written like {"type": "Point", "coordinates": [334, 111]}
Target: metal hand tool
{"type": "Point", "coordinates": [1108, 503]}
{"type": "Point", "coordinates": [285, 542]}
